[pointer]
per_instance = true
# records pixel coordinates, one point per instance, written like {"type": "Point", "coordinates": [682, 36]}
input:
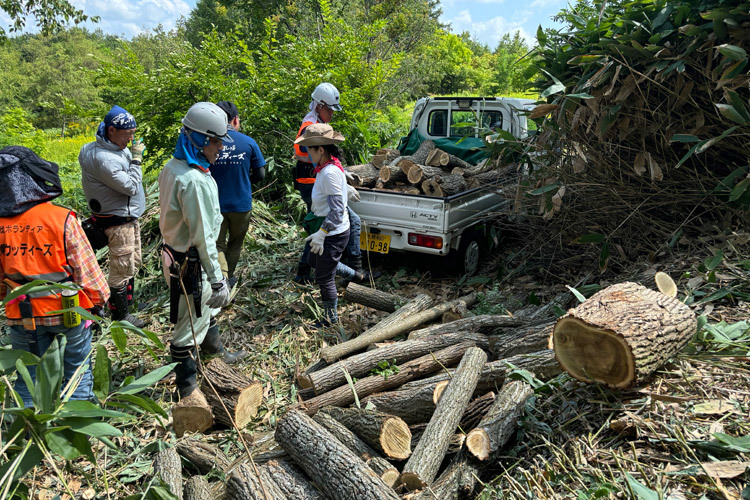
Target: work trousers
{"type": "Point", "coordinates": [77, 349]}
{"type": "Point", "coordinates": [233, 228]}
{"type": "Point", "coordinates": [182, 336]}
{"type": "Point", "coordinates": [124, 253]}
{"type": "Point", "coordinates": [325, 264]}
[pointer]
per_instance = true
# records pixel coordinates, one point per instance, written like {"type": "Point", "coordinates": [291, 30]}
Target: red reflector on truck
{"type": "Point", "coordinates": [423, 240]}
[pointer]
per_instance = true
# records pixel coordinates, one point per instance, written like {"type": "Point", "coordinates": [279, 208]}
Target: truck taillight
{"type": "Point", "coordinates": [423, 240]}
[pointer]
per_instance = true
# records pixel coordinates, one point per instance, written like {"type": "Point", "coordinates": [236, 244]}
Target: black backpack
{"type": "Point", "coordinates": [29, 180]}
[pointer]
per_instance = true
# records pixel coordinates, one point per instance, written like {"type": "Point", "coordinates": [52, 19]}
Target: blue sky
{"type": "Point", "coordinates": [486, 20]}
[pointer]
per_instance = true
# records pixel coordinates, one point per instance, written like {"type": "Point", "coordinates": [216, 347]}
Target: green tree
{"type": "Point", "coordinates": [51, 15]}
{"type": "Point", "coordinates": [513, 59]}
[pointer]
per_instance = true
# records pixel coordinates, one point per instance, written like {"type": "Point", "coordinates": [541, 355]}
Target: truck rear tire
{"type": "Point", "coordinates": [465, 260]}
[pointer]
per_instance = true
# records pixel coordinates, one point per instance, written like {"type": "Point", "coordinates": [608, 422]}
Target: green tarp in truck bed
{"type": "Point", "coordinates": [470, 149]}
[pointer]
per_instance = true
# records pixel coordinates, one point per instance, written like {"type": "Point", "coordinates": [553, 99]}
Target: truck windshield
{"type": "Point", "coordinates": [463, 122]}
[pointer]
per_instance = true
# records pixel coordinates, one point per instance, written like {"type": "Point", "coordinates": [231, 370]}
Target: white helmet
{"type": "Point", "coordinates": [209, 119]}
{"type": "Point", "coordinates": [327, 94]}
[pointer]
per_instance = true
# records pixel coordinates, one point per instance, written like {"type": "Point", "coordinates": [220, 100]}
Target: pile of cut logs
{"type": "Point", "coordinates": [430, 171]}
{"type": "Point", "coordinates": [426, 429]}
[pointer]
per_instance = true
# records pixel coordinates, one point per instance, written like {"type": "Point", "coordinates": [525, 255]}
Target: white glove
{"type": "Point", "coordinates": [316, 241]}
{"type": "Point", "coordinates": [352, 194]}
{"type": "Point", "coordinates": [219, 295]}
{"type": "Point", "coordinates": [349, 176]}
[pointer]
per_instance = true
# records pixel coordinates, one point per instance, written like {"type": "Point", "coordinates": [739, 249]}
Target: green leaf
{"type": "Point", "coordinates": [640, 491]}
{"type": "Point", "coordinates": [89, 426]}
{"type": "Point", "coordinates": [738, 444]}
{"type": "Point", "coordinates": [584, 59]}
{"type": "Point", "coordinates": [119, 338]}
{"type": "Point", "coordinates": [146, 381]}
{"type": "Point", "coordinates": [27, 459]}
{"type": "Point", "coordinates": [101, 373]}
{"type": "Point", "coordinates": [544, 189]}
{"type": "Point", "coordinates": [8, 358]}
{"type": "Point", "coordinates": [49, 375]}
{"type": "Point", "coordinates": [582, 95]}
{"type": "Point", "coordinates": [147, 404]}
{"type": "Point", "coordinates": [578, 295]}
{"type": "Point", "coordinates": [551, 90]}
{"type": "Point", "coordinates": [714, 261]}
{"type": "Point", "coordinates": [684, 138]}
{"type": "Point", "coordinates": [590, 238]}
{"type": "Point", "coordinates": [604, 257]}
{"type": "Point", "coordinates": [77, 408]}
{"type": "Point", "coordinates": [690, 152]}
{"type": "Point", "coordinates": [739, 189]}
{"type": "Point", "coordinates": [61, 440]}
{"type": "Point", "coordinates": [728, 111]}
{"type": "Point", "coordinates": [732, 52]}
{"type": "Point", "coordinates": [350, 383]}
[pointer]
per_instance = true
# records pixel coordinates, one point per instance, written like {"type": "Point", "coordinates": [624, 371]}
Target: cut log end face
{"type": "Point", "coordinates": [412, 481]}
{"type": "Point", "coordinates": [478, 443]}
{"type": "Point", "coordinates": [247, 404]}
{"type": "Point", "coordinates": [592, 354]}
{"type": "Point", "coordinates": [396, 439]}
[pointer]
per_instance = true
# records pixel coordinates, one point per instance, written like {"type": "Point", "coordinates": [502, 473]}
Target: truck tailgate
{"type": "Point", "coordinates": [407, 211]}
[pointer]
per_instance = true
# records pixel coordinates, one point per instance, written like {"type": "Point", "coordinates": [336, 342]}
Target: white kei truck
{"type": "Point", "coordinates": [453, 226]}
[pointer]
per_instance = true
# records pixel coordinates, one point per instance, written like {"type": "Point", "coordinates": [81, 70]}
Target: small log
{"type": "Point", "coordinates": [486, 323]}
{"type": "Point", "coordinates": [521, 340]}
{"type": "Point", "coordinates": [197, 488]}
{"type": "Point", "coordinates": [406, 165]}
{"type": "Point", "coordinates": [458, 171]}
{"type": "Point", "coordinates": [338, 472]}
{"type": "Point", "coordinates": [489, 177]}
{"type": "Point", "coordinates": [361, 364]}
{"type": "Point", "coordinates": [379, 184]}
{"type": "Point", "coordinates": [385, 156]}
{"type": "Point", "coordinates": [291, 480]}
{"type": "Point", "coordinates": [391, 173]}
{"type": "Point", "coordinates": [383, 331]}
{"type": "Point", "coordinates": [419, 172]}
{"type": "Point", "coordinates": [456, 441]}
{"type": "Point", "coordinates": [366, 175]}
{"type": "Point", "coordinates": [230, 390]}
{"type": "Point", "coordinates": [501, 420]}
{"type": "Point", "coordinates": [168, 468]}
{"type": "Point", "coordinates": [452, 184]}
{"type": "Point", "coordinates": [410, 370]}
{"type": "Point", "coordinates": [370, 297]}
{"type": "Point", "coordinates": [437, 158]}
{"type": "Point", "coordinates": [421, 469]}
{"type": "Point", "coordinates": [475, 411]}
{"type": "Point", "coordinates": [431, 187]}
{"type": "Point", "coordinates": [244, 484]}
{"type": "Point", "coordinates": [455, 161]}
{"type": "Point", "coordinates": [372, 458]}
{"type": "Point", "coordinates": [622, 334]}
{"type": "Point", "coordinates": [421, 154]}
{"type": "Point", "coordinates": [378, 160]}
{"type": "Point", "coordinates": [457, 482]}
{"type": "Point", "coordinates": [192, 414]}
{"type": "Point", "coordinates": [387, 434]}
{"type": "Point", "coordinates": [205, 457]}
{"type": "Point", "coordinates": [379, 332]}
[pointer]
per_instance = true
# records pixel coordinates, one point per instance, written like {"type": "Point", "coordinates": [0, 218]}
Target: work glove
{"type": "Point", "coordinates": [352, 194]}
{"type": "Point", "coordinates": [219, 295]}
{"type": "Point", "coordinates": [137, 149]}
{"type": "Point", "coordinates": [349, 177]}
{"type": "Point", "coordinates": [316, 241]}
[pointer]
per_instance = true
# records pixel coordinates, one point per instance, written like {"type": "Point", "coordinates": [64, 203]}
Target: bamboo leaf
{"type": "Point", "coordinates": [739, 189]}
{"type": "Point", "coordinates": [732, 52]}
{"type": "Point", "coordinates": [684, 138]}
{"type": "Point", "coordinates": [728, 111]}
{"type": "Point", "coordinates": [146, 381]}
{"type": "Point", "coordinates": [578, 295]}
{"type": "Point", "coordinates": [590, 238]}
{"type": "Point", "coordinates": [640, 491]}
{"type": "Point", "coordinates": [101, 373]}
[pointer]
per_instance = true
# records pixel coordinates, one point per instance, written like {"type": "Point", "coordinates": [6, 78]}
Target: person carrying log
{"type": "Point", "coordinates": [190, 219]}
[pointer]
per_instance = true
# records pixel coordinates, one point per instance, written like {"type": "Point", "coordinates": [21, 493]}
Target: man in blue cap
{"type": "Point", "coordinates": [112, 182]}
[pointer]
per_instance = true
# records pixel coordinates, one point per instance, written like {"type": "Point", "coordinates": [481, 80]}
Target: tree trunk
{"type": "Point", "coordinates": [419, 172]}
{"type": "Point", "coordinates": [361, 364]}
{"type": "Point", "coordinates": [230, 391]}
{"type": "Point", "coordinates": [379, 332]}
{"type": "Point", "coordinates": [457, 482]}
{"type": "Point", "coordinates": [485, 323]}
{"type": "Point", "coordinates": [437, 158]}
{"type": "Point", "coordinates": [454, 446]}
{"type": "Point", "coordinates": [410, 370]}
{"type": "Point", "coordinates": [452, 184]}
{"type": "Point", "coordinates": [365, 175]}
{"type": "Point", "coordinates": [244, 484]}
{"type": "Point", "coordinates": [372, 458]}
{"type": "Point", "coordinates": [205, 457]}
{"type": "Point", "coordinates": [387, 434]}
{"type": "Point", "coordinates": [521, 341]}
{"type": "Point", "coordinates": [391, 173]}
{"type": "Point", "coordinates": [431, 187]}
{"type": "Point", "coordinates": [291, 480]}
{"type": "Point", "coordinates": [370, 297]}
{"type": "Point", "coordinates": [337, 471]}
{"type": "Point", "coordinates": [197, 488]}
{"type": "Point", "coordinates": [622, 334]}
{"type": "Point", "coordinates": [500, 422]}
{"type": "Point", "coordinates": [192, 414]}
{"type": "Point", "coordinates": [476, 410]}
{"type": "Point", "coordinates": [168, 468]}
{"type": "Point", "coordinates": [424, 463]}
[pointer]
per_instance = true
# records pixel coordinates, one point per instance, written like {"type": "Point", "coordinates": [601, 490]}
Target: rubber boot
{"type": "Point", "coordinates": [361, 274]}
{"type": "Point", "coordinates": [186, 371]}
{"type": "Point", "coordinates": [131, 291]}
{"type": "Point", "coordinates": [303, 274]}
{"type": "Point", "coordinates": [330, 314]}
{"type": "Point", "coordinates": [118, 305]}
{"type": "Point", "coordinates": [212, 345]}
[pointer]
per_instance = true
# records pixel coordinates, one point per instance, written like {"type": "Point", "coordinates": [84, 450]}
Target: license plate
{"type": "Point", "coordinates": [379, 243]}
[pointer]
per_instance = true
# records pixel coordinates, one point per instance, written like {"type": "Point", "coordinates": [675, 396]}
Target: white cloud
{"type": "Point", "coordinates": [490, 31]}
{"type": "Point", "coordinates": [129, 18]}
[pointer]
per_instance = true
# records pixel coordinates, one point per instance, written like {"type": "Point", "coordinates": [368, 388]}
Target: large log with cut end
{"type": "Point", "coordinates": [228, 390]}
{"type": "Point", "coordinates": [521, 340]}
{"type": "Point", "coordinates": [291, 480]}
{"type": "Point", "coordinates": [485, 323]}
{"type": "Point", "coordinates": [454, 446]}
{"type": "Point", "coordinates": [410, 370]}
{"type": "Point", "coordinates": [452, 183]}
{"type": "Point", "coordinates": [500, 422]}
{"type": "Point", "coordinates": [370, 297]}
{"type": "Point", "coordinates": [405, 164]}
{"type": "Point", "coordinates": [361, 364]}
{"type": "Point", "coordinates": [338, 472]}
{"type": "Point", "coordinates": [424, 463]}
{"type": "Point", "coordinates": [245, 484]}
{"type": "Point", "coordinates": [168, 468]}
{"type": "Point", "coordinates": [437, 158]}
{"type": "Point", "coordinates": [382, 331]}
{"type": "Point", "coordinates": [387, 434]}
{"type": "Point", "coordinates": [192, 414]}
{"type": "Point", "coordinates": [431, 187]}
{"type": "Point", "coordinates": [364, 175]}
{"type": "Point", "coordinates": [205, 457]}
{"type": "Point", "coordinates": [391, 173]}
{"type": "Point", "coordinates": [421, 154]}
{"type": "Point", "coordinates": [622, 334]}
{"type": "Point", "coordinates": [197, 488]}
{"type": "Point", "coordinates": [419, 172]}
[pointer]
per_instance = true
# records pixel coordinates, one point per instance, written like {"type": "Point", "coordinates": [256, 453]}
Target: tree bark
{"type": "Point", "coordinates": [204, 456]}
{"type": "Point", "coordinates": [437, 158]}
{"type": "Point", "coordinates": [457, 482]}
{"type": "Point", "coordinates": [431, 187]}
{"type": "Point", "coordinates": [485, 323]}
{"type": "Point", "coordinates": [521, 341]}
{"type": "Point", "coordinates": [372, 458]}
{"type": "Point", "coordinates": [622, 334]}
{"type": "Point", "coordinates": [391, 173]}
{"type": "Point", "coordinates": [420, 155]}
{"type": "Point", "coordinates": [424, 463]}
{"type": "Point", "coordinates": [459, 311]}
{"type": "Point", "coordinates": [291, 480]}
{"type": "Point", "coordinates": [361, 364]}
{"type": "Point", "coordinates": [455, 161]}
{"type": "Point", "coordinates": [337, 471]}
{"type": "Point", "coordinates": [385, 433]}
{"type": "Point", "coordinates": [500, 422]}
{"type": "Point", "coordinates": [370, 297]}
{"type": "Point", "coordinates": [168, 468]}
{"type": "Point", "coordinates": [410, 370]}
{"type": "Point", "coordinates": [230, 390]}
{"type": "Point", "coordinates": [475, 411]}
{"type": "Point", "coordinates": [244, 484]}
{"type": "Point", "coordinates": [197, 488]}
{"type": "Point", "coordinates": [403, 188]}
{"type": "Point", "coordinates": [454, 446]}
{"type": "Point", "coordinates": [192, 414]}
{"type": "Point", "coordinates": [452, 184]}
{"type": "Point", "coordinates": [419, 172]}
{"type": "Point", "coordinates": [379, 332]}
{"type": "Point", "coordinates": [365, 175]}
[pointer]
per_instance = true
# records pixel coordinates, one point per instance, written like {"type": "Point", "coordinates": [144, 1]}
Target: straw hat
{"type": "Point", "coordinates": [319, 134]}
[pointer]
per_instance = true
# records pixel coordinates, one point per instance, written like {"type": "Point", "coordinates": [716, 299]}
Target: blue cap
{"type": "Point", "coordinates": [119, 118]}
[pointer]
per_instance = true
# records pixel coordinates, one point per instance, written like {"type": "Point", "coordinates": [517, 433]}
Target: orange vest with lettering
{"type": "Point", "coordinates": [32, 247]}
